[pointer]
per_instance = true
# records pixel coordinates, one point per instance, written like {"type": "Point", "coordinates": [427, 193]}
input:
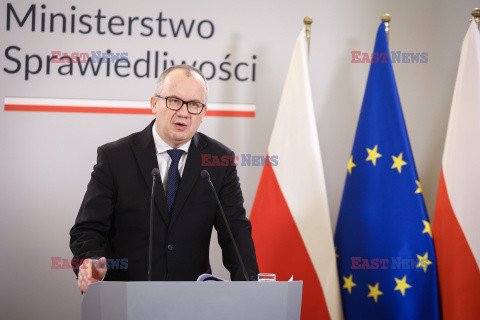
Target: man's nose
{"type": "Point", "coordinates": [183, 111]}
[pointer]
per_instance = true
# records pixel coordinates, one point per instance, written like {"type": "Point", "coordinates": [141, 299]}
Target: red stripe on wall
{"type": "Point", "coordinates": [224, 113]}
{"type": "Point", "coordinates": [279, 245]}
{"type": "Point", "coordinates": [39, 108]}
{"type": "Point", "coordinates": [458, 271]}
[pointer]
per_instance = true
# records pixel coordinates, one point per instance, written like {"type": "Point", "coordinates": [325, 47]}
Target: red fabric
{"type": "Point", "coordinates": [280, 248]}
{"type": "Point", "coordinates": [459, 274]}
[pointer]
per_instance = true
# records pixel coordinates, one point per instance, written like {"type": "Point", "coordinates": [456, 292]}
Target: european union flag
{"type": "Point", "coordinates": [386, 259]}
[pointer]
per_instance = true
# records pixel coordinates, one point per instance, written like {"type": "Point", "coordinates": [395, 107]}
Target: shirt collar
{"type": "Point", "coordinates": [161, 146]}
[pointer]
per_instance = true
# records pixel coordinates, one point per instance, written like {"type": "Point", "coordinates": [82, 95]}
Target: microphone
{"type": "Point", "coordinates": [155, 175]}
{"type": "Point", "coordinates": [206, 175]}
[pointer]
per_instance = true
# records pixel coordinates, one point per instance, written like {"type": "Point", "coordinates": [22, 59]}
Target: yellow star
{"type": "Point", "coordinates": [398, 162]}
{"type": "Point", "coordinates": [336, 254]}
{"type": "Point", "coordinates": [402, 285]}
{"type": "Point", "coordinates": [373, 155]}
{"type": "Point", "coordinates": [349, 283]}
{"type": "Point", "coordinates": [374, 292]}
{"type": "Point", "coordinates": [419, 189]}
{"type": "Point", "coordinates": [428, 228]}
{"type": "Point", "coordinates": [350, 165]}
{"type": "Point", "coordinates": [423, 261]}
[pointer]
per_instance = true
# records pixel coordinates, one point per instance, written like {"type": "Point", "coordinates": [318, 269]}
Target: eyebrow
{"type": "Point", "coordinates": [195, 100]}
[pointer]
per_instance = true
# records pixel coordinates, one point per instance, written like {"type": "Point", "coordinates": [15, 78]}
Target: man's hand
{"type": "Point", "coordinates": [91, 272]}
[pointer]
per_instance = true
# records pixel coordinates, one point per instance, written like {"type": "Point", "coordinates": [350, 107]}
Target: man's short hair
{"type": "Point", "coordinates": [188, 71]}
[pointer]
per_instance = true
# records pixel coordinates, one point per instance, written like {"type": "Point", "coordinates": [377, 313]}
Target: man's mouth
{"type": "Point", "coordinates": [180, 125]}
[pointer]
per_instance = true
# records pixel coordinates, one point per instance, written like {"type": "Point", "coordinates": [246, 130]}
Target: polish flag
{"type": "Point", "coordinates": [456, 222]}
{"type": "Point", "coordinates": [290, 216]}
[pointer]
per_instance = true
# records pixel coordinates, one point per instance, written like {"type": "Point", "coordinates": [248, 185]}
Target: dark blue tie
{"type": "Point", "coordinates": [173, 176]}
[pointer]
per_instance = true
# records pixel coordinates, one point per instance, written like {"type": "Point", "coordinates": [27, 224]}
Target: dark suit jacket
{"type": "Point", "coordinates": [113, 220]}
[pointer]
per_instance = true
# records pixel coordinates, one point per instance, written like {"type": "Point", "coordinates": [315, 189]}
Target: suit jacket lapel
{"type": "Point", "coordinates": [145, 154]}
{"type": "Point", "coordinates": [190, 174]}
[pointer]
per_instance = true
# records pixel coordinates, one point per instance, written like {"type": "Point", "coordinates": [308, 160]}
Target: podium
{"type": "Point", "coordinates": [193, 300]}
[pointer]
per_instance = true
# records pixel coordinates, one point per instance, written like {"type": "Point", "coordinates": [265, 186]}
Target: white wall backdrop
{"type": "Point", "coordinates": [47, 158]}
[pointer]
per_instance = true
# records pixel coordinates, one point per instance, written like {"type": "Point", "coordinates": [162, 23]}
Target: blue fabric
{"type": "Point", "coordinates": [382, 226]}
{"type": "Point", "coordinates": [173, 176]}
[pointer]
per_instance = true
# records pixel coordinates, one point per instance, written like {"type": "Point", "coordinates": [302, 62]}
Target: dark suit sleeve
{"type": "Point", "coordinates": [88, 236]}
{"type": "Point", "coordinates": [230, 195]}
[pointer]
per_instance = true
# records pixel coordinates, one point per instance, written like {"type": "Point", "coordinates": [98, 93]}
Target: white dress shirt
{"type": "Point", "coordinates": [164, 159]}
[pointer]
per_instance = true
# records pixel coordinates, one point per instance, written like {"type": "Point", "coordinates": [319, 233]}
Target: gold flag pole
{"type": "Point", "coordinates": [308, 28]}
{"type": "Point", "coordinates": [476, 16]}
{"type": "Point", "coordinates": [386, 20]}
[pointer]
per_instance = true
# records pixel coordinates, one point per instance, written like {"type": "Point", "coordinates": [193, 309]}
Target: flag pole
{"type": "Point", "coordinates": [308, 23]}
{"type": "Point", "coordinates": [386, 20]}
{"type": "Point", "coordinates": [476, 16]}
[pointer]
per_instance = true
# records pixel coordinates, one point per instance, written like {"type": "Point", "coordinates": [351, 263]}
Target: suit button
{"type": "Point", "coordinates": [170, 247]}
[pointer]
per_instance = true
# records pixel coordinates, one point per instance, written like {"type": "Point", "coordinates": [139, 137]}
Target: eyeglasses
{"type": "Point", "coordinates": [175, 104]}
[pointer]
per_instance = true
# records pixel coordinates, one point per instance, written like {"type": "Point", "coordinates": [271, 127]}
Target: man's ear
{"type": "Point", "coordinates": [153, 101]}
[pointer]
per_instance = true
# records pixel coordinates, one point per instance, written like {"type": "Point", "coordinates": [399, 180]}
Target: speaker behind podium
{"type": "Point", "coordinates": [112, 300]}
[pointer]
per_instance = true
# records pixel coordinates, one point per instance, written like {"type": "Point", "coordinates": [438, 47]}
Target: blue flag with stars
{"type": "Point", "coordinates": [385, 254]}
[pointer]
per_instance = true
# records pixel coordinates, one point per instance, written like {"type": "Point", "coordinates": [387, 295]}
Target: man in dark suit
{"type": "Point", "coordinates": [113, 220]}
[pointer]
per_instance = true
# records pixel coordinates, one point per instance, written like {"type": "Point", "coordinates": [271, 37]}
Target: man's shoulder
{"type": "Point", "coordinates": [125, 142]}
{"type": "Point", "coordinates": [213, 145]}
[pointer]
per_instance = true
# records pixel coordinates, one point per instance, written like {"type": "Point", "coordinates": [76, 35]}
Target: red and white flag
{"type": "Point", "coordinates": [290, 216]}
{"type": "Point", "coordinates": [456, 221]}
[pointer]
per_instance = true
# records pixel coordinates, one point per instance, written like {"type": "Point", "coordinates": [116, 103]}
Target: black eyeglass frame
{"type": "Point", "coordinates": [181, 106]}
